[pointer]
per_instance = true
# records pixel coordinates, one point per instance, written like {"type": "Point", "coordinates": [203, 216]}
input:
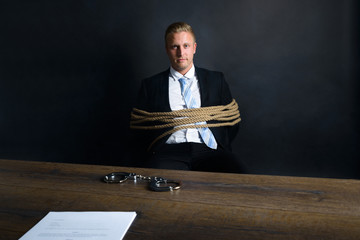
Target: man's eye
{"type": "Point", "coordinates": [186, 45]}
{"type": "Point", "coordinates": [174, 47]}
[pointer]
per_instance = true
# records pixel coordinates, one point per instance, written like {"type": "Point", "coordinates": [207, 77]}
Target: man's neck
{"type": "Point", "coordinates": [189, 74]}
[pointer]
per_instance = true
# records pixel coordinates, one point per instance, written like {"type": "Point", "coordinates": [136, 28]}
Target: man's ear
{"type": "Point", "coordinates": [195, 47]}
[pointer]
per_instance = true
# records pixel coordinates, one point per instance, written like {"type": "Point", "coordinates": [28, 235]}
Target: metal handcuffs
{"type": "Point", "coordinates": [154, 182]}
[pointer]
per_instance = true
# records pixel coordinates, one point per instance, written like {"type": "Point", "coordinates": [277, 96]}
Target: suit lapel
{"type": "Point", "coordinates": [204, 91]}
{"type": "Point", "coordinates": [164, 86]}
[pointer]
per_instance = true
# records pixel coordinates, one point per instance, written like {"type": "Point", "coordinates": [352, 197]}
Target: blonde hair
{"type": "Point", "coordinates": [179, 27]}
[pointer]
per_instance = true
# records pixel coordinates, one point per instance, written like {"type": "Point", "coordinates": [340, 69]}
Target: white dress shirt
{"type": "Point", "coordinates": [177, 102]}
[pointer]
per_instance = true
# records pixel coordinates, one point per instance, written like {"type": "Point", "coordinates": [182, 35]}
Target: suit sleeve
{"type": "Point", "coordinates": [142, 97]}
{"type": "Point", "coordinates": [227, 98]}
{"type": "Point", "coordinates": [140, 139]}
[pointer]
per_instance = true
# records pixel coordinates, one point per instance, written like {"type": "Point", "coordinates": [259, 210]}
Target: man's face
{"type": "Point", "coordinates": [180, 47]}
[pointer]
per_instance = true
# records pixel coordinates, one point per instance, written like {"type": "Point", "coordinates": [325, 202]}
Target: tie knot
{"type": "Point", "coordinates": [184, 81]}
{"type": "Point", "coordinates": [184, 84]}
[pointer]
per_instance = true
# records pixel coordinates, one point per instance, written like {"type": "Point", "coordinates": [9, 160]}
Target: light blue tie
{"type": "Point", "coordinates": [190, 102]}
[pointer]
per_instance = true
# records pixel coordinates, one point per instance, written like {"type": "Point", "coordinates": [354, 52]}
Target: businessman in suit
{"type": "Point", "coordinates": [187, 149]}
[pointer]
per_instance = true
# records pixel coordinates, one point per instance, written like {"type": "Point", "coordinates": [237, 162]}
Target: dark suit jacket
{"type": "Point", "coordinates": [154, 97]}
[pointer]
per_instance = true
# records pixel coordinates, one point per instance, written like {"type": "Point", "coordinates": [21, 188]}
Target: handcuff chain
{"type": "Point", "coordinates": [141, 177]}
{"type": "Point", "coordinates": [154, 182]}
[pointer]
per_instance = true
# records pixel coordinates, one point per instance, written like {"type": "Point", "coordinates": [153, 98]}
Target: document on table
{"type": "Point", "coordinates": [81, 225]}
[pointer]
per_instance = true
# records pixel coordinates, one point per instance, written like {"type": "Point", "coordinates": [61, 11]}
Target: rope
{"type": "Point", "coordinates": [226, 115]}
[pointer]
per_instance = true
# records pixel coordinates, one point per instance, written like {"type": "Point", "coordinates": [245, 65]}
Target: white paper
{"type": "Point", "coordinates": [81, 226]}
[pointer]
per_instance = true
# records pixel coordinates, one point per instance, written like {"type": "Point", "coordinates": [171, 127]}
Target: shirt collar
{"type": "Point", "coordinates": [176, 75]}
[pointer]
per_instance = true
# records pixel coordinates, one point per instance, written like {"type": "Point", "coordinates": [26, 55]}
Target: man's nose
{"type": "Point", "coordinates": [179, 51]}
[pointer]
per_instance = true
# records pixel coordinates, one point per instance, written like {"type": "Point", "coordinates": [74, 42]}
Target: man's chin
{"type": "Point", "coordinates": [180, 67]}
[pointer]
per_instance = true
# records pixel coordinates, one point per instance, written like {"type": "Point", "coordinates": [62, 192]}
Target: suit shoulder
{"type": "Point", "coordinates": [204, 71]}
{"type": "Point", "coordinates": [210, 75]}
{"type": "Point", "coordinates": [157, 77]}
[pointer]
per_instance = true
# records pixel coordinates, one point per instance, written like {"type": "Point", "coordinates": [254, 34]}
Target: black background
{"type": "Point", "coordinates": [70, 71]}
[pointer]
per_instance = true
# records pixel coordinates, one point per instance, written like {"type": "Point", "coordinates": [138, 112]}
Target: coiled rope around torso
{"type": "Point", "coordinates": [224, 115]}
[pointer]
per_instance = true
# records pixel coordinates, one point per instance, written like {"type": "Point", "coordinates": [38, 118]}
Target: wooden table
{"type": "Point", "coordinates": [209, 205]}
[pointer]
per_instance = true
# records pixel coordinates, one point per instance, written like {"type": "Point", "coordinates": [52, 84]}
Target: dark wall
{"type": "Point", "coordinates": [70, 70]}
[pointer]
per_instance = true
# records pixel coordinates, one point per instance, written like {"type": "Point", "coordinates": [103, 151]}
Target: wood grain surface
{"type": "Point", "coordinates": [208, 206]}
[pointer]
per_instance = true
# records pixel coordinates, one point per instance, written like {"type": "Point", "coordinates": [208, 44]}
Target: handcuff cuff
{"type": "Point", "coordinates": [155, 183]}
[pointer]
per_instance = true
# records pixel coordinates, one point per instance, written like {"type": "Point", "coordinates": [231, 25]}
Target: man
{"type": "Point", "coordinates": [185, 86]}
